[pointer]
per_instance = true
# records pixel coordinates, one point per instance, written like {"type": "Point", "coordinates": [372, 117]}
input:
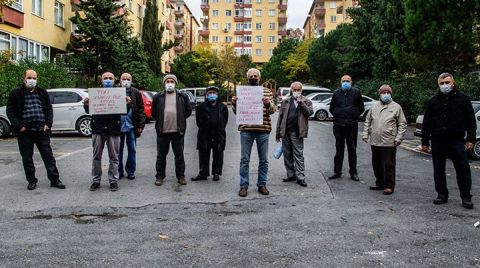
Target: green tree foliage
{"type": "Point", "coordinates": [273, 69]}
{"type": "Point", "coordinates": [295, 66]}
{"type": "Point", "coordinates": [192, 69]}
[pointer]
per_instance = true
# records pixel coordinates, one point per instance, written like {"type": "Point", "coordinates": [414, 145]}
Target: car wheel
{"type": "Point", "coordinates": [85, 127]}
{"type": "Point", "coordinates": [4, 128]}
{"type": "Point", "coordinates": [321, 115]}
{"type": "Point", "coordinates": [475, 152]}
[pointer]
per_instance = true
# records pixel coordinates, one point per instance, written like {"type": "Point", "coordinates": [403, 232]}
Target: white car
{"type": "Point", "coordinates": [321, 109]}
{"type": "Point", "coordinates": [68, 112]}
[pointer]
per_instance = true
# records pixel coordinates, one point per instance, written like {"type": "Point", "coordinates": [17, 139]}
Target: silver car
{"type": "Point", "coordinates": [321, 110]}
{"type": "Point", "coordinates": [68, 112]}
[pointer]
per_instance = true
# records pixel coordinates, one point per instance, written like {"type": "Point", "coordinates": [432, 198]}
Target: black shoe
{"type": "Point", "coordinates": [131, 177]}
{"type": "Point", "coordinates": [376, 188]}
{"type": "Point", "coordinates": [199, 178]}
{"type": "Point", "coordinates": [216, 177]}
{"type": "Point", "coordinates": [158, 181]}
{"type": "Point", "coordinates": [290, 179]}
{"type": "Point", "coordinates": [113, 186]}
{"type": "Point", "coordinates": [95, 186]}
{"type": "Point", "coordinates": [441, 199]}
{"type": "Point", "coordinates": [302, 183]}
{"type": "Point", "coordinates": [335, 176]}
{"type": "Point", "coordinates": [121, 176]}
{"type": "Point", "coordinates": [57, 184]}
{"type": "Point", "coordinates": [467, 203]}
{"type": "Point", "coordinates": [263, 190]}
{"type": "Point", "coordinates": [354, 177]}
{"type": "Point", "coordinates": [32, 185]}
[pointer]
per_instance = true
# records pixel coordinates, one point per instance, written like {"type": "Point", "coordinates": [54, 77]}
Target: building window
{"type": "Point", "coordinates": [271, 26]}
{"type": "Point", "coordinates": [333, 4]}
{"type": "Point", "coordinates": [215, 1]}
{"type": "Point", "coordinates": [17, 4]}
{"type": "Point", "coordinates": [37, 7]}
{"type": "Point", "coordinates": [215, 13]}
{"type": "Point", "coordinates": [59, 7]}
{"type": "Point", "coordinates": [238, 1]}
{"type": "Point", "coordinates": [228, 13]}
{"type": "Point", "coordinates": [130, 5]}
{"type": "Point", "coordinates": [238, 39]}
{"type": "Point", "coordinates": [259, 1]}
{"type": "Point", "coordinates": [214, 26]}
{"type": "Point", "coordinates": [271, 12]}
{"type": "Point", "coordinates": [258, 12]}
{"type": "Point", "coordinates": [238, 26]}
{"type": "Point", "coordinates": [238, 13]}
{"type": "Point", "coordinates": [214, 39]}
{"type": "Point", "coordinates": [248, 12]}
{"type": "Point", "coordinates": [258, 26]}
{"type": "Point", "coordinates": [247, 38]}
{"type": "Point", "coordinates": [228, 1]}
{"type": "Point", "coordinates": [271, 1]}
{"type": "Point", "coordinates": [22, 48]}
{"type": "Point", "coordinates": [4, 41]}
{"type": "Point", "coordinates": [271, 39]}
{"type": "Point", "coordinates": [247, 2]}
{"type": "Point", "coordinates": [258, 38]}
{"type": "Point", "coordinates": [228, 39]}
{"type": "Point", "coordinates": [258, 52]}
{"type": "Point", "coordinates": [247, 26]}
{"type": "Point", "coordinates": [333, 18]}
{"type": "Point", "coordinates": [270, 52]}
{"type": "Point", "coordinates": [228, 26]}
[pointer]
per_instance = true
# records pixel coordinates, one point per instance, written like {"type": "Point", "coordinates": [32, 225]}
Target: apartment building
{"type": "Point", "coordinates": [325, 15]}
{"type": "Point", "coordinates": [186, 28]}
{"type": "Point", "coordinates": [252, 27]}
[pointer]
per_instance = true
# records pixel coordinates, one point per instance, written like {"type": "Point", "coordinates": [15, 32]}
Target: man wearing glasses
{"type": "Point", "coordinates": [448, 116]}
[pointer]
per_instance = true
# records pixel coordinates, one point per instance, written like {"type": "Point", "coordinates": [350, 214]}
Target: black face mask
{"type": "Point", "coordinates": [253, 81]}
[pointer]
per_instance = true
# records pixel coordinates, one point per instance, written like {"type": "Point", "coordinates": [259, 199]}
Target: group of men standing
{"type": "Point", "coordinates": [448, 116]}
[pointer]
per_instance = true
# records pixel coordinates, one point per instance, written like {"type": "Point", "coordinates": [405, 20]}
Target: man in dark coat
{"type": "Point", "coordinates": [212, 118]}
{"type": "Point", "coordinates": [31, 116]}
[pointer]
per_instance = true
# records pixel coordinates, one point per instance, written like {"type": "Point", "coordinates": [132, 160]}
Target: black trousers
{"type": "Point", "coordinates": [455, 150]}
{"type": "Point", "coordinates": [204, 161]}
{"type": "Point", "coordinates": [384, 164]}
{"type": "Point", "coordinates": [163, 146]}
{"type": "Point", "coordinates": [26, 142]}
{"type": "Point", "coordinates": [345, 134]}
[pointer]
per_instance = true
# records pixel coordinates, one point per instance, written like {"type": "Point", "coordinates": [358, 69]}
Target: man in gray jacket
{"type": "Point", "coordinates": [385, 126]}
{"type": "Point", "coordinates": [292, 128]}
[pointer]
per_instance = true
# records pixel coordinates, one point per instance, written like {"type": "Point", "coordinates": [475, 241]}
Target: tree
{"type": "Point", "coordinates": [152, 33]}
{"type": "Point", "coordinates": [295, 66]}
{"type": "Point", "coordinates": [191, 69]}
{"type": "Point", "coordinates": [273, 69]}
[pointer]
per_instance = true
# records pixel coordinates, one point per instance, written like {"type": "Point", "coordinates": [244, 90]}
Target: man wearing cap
{"type": "Point", "coordinates": [170, 109]}
{"type": "Point", "coordinates": [384, 127]}
{"type": "Point", "coordinates": [346, 107]}
{"type": "Point", "coordinates": [449, 123]}
{"type": "Point", "coordinates": [212, 118]}
{"type": "Point", "coordinates": [255, 133]}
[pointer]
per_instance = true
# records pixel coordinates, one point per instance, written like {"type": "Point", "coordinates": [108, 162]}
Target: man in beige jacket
{"type": "Point", "coordinates": [385, 126]}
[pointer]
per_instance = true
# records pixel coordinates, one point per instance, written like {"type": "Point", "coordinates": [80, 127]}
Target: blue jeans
{"type": "Point", "coordinates": [131, 164]}
{"type": "Point", "coordinates": [246, 142]}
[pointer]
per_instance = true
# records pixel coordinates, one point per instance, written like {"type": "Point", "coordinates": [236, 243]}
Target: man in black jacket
{"type": "Point", "coordinates": [346, 107]}
{"type": "Point", "coordinates": [212, 118]}
{"type": "Point", "coordinates": [31, 116]}
{"type": "Point", "coordinates": [448, 116]}
{"type": "Point", "coordinates": [132, 125]}
{"type": "Point", "coordinates": [105, 129]}
{"type": "Point", "coordinates": [170, 109]}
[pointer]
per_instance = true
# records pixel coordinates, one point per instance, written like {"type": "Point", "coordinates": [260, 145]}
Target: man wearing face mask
{"type": "Point", "coordinates": [170, 109]}
{"type": "Point", "coordinates": [346, 107]}
{"type": "Point", "coordinates": [212, 118]}
{"type": "Point", "coordinates": [385, 126]}
{"type": "Point", "coordinates": [258, 133]}
{"type": "Point", "coordinates": [448, 118]}
{"type": "Point", "coordinates": [31, 116]}
{"type": "Point", "coordinates": [292, 128]}
{"type": "Point", "coordinates": [132, 125]}
{"type": "Point", "coordinates": [105, 130]}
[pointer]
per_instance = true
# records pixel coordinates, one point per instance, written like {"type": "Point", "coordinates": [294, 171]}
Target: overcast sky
{"type": "Point", "coordinates": [296, 12]}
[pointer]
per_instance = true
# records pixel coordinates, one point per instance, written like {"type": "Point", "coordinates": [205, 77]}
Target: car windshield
{"type": "Point", "coordinates": [326, 100]}
{"type": "Point", "coordinates": [476, 106]}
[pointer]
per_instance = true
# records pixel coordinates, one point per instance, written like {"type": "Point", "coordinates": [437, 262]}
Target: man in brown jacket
{"type": "Point", "coordinates": [292, 128]}
{"type": "Point", "coordinates": [385, 126]}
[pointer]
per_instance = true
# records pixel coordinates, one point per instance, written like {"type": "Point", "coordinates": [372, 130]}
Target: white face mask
{"type": "Point", "coordinates": [445, 89]}
{"type": "Point", "coordinates": [297, 94]}
{"type": "Point", "coordinates": [170, 87]}
{"type": "Point", "coordinates": [126, 83]}
{"type": "Point", "coordinates": [31, 83]}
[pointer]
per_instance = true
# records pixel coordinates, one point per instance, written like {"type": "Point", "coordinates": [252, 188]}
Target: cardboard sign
{"type": "Point", "coordinates": [107, 100]}
{"type": "Point", "coordinates": [249, 105]}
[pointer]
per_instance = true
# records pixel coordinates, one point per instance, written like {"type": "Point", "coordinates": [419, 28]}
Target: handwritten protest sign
{"type": "Point", "coordinates": [107, 100]}
{"type": "Point", "coordinates": [249, 105]}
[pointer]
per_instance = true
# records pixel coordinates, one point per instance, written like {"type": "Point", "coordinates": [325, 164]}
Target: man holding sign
{"type": "Point", "coordinates": [253, 106]}
{"type": "Point", "coordinates": [106, 105]}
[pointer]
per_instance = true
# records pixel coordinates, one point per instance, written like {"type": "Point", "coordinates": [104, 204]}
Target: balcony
{"type": "Point", "coordinates": [178, 49]}
{"type": "Point", "coordinates": [282, 7]}
{"type": "Point", "coordinates": [205, 20]}
{"type": "Point", "coordinates": [319, 12]}
{"type": "Point", "coordinates": [204, 33]}
{"type": "Point", "coordinates": [178, 36]}
{"type": "Point", "coordinates": [238, 32]}
{"type": "Point", "coordinates": [205, 7]}
{"type": "Point", "coordinates": [178, 13]}
{"type": "Point", "coordinates": [179, 24]}
{"type": "Point", "coordinates": [238, 19]}
{"type": "Point", "coordinates": [282, 32]}
{"type": "Point", "coordinates": [169, 25]}
{"type": "Point", "coordinates": [12, 17]}
{"type": "Point", "coordinates": [282, 20]}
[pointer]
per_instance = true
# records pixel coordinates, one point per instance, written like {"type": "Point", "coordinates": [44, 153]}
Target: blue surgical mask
{"type": "Point", "coordinates": [107, 83]}
{"type": "Point", "coordinates": [212, 97]}
{"type": "Point", "coordinates": [386, 98]}
{"type": "Point", "coordinates": [346, 85]}
{"type": "Point", "coordinates": [445, 89]}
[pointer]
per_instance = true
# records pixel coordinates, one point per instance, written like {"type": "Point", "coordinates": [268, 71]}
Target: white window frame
{"type": "Point", "coordinates": [258, 12]}
{"type": "Point", "coordinates": [258, 39]}
{"type": "Point", "coordinates": [333, 18]}
{"type": "Point", "coordinates": [258, 52]}
{"type": "Point", "coordinates": [215, 26]}
{"type": "Point", "coordinates": [228, 13]}
{"type": "Point", "coordinates": [37, 8]}
{"type": "Point", "coordinates": [214, 39]}
{"type": "Point", "coordinates": [258, 26]}
{"type": "Point", "coordinates": [271, 39]}
{"type": "Point", "coordinates": [271, 12]}
{"type": "Point", "coordinates": [17, 4]}
{"type": "Point", "coordinates": [247, 26]}
{"type": "Point", "coordinates": [59, 10]}
{"type": "Point", "coordinates": [247, 39]}
{"type": "Point", "coordinates": [215, 13]}
{"type": "Point", "coordinates": [238, 39]}
{"type": "Point", "coordinates": [270, 52]}
{"type": "Point", "coordinates": [271, 26]}
{"type": "Point", "coordinates": [247, 12]}
{"type": "Point", "coordinates": [333, 4]}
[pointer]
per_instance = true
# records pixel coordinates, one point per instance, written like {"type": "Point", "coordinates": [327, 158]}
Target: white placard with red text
{"type": "Point", "coordinates": [107, 100]}
{"type": "Point", "coordinates": [249, 105]}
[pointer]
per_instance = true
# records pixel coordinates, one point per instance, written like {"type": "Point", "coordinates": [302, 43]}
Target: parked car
{"type": "Point", "coordinates": [284, 92]}
{"type": "Point", "coordinates": [147, 97]}
{"type": "Point", "coordinates": [319, 97]}
{"type": "Point", "coordinates": [321, 109]}
{"type": "Point", "coordinates": [193, 100]}
{"type": "Point", "coordinates": [198, 92]}
{"type": "Point", "coordinates": [68, 112]}
{"type": "Point", "coordinates": [475, 153]}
